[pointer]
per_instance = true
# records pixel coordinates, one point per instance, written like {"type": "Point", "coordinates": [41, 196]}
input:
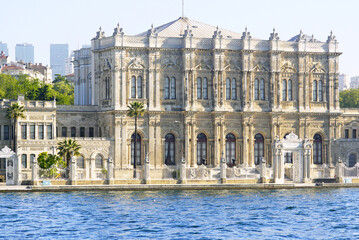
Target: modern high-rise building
{"type": "Point", "coordinates": [69, 66]}
{"type": "Point", "coordinates": [344, 82]}
{"type": "Point", "coordinates": [3, 48]}
{"type": "Point", "coordinates": [58, 54]}
{"type": "Point", "coordinates": [24, 52]}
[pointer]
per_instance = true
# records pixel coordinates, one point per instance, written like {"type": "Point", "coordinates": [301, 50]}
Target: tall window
{"type": "Point", "coordinates": [354, 133]}
{"type": "Point", "coordinates": [205, 88]}
{"type": "Point", "coordinates": [317, 149]}
{"type": "Point", "coordinates": [284, 90]}
{"type": "Point", "coordinates": [290, 96]}
{"type": "Point", "coordinates": [201, 149]}
{"type": "Point", "coordinates": [133, 87]}
{"type": "Point", "coordinates": [138, 149]}
{"type": "Point", "coordinates": [258, 148]}
{"type": "Point", "coordinates": [99, 161]}
{"type": "Point", "coordinates": [6, 132]}
{"type": "Point", "coordinates": [32, 131]}
{"type": "Point", "coordinates": [234, 89]}
{"type": "Point", "coordinates": [320, 90]}
{"type": "Point", "coordinates": [231, 89]}
{"type": "Point", "coordinates": [346, 133]}
{"type": "Point", "coordinates": [23, 131]}
{"type": "Point", "coordinates": [139, 87]}
{"type": "Point", "coordinates": [73, 131]}
{"type": "Point", "coordinates": [202, 88]}
{"type": "Point", "coordinates": [49, 131]}
{"type": "Point", "coordinates": [167, 88]}
{"type": "Point", "coordinates": [199, 88]}
{"type": "Point", "coordinates": [91, 132]}
{"type": "Point", "coordinates": [262, 89]}
{"type": "Point", "coordinates": [82, 132]}
{"type": "Point", "coordinates": [170, 149]}
{"type": "Point", "coordinates": [230, 148]}
{"type": "Point", "coordinates": [24, 161]}
{"type": "Point", "coordinates": [352, 160]}
{"type": "Point", "coordinates": [80, 161]}
{"type": "Point", "coordinates": [288, 157]}
{"type": "Point", "coordinates": [170, 88]}
{"type": "Point", "coordinates": [256, 89]}
{"type": "Point", "coordinates": [315, 90]}
{"type": "Point", "coordinates": [41, 131]}
{"type": "Point", "coordinates": [64, 132]}
{"type": "Point", "coordinates": [228, 89]}
{"type": "Point", "coordinates": [107, 87]}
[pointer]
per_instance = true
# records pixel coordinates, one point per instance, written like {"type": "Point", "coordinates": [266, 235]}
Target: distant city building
{"type": "Point", "coordinates": [4, 59]}
{"type": "Point", "coordinates": [24, 52]}
{"type": "Point", "coordinates": [69, 66]}
{"type": "Point", "coordinates": [3, 48]}
{"type": "Point", "coordinates": [58, 54]}
{"type": "Point", "coordinates": [344, 82]}
{"type": "Point", "coordinates": [354, 82]}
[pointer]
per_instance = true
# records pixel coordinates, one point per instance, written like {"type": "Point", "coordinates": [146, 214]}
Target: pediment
{"type": "Point", "coordinates": [135, 64]}
{"type": "Point", "coordinates": [317, 68]}
{"type": "Point", "coordinates": [288, 68]}
{"type": "Point", "coordinates": [259, 68]}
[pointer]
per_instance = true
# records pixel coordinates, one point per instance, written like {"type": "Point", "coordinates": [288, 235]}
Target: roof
{"type": "Point", "coordinates": [177, 27]}
{"type": "Point", "coordinates": [302, 36]}
{"type": "Point", "coordinates": [11, 67]}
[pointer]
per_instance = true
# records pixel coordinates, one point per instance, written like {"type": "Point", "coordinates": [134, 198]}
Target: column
{"type": "Point", "coordinates": [92, 169]}
{"type": "Point", "coordinates": [183, 171]}
{"type": "Point", "coordinates": [244, 90]}
{"type": "Point", "coordinates": [185, 90]}
{"type": "Point", "coordinates": [110, 168]}
{"type": "Point", "coordinates": [222, 88]}
{"type": "Point", "coordinates": [123, 88]}
{"type": "Point", "coordinates": [158, 87]}
{"type": "Point", "coordinates": [272, 90]}
{"type": "Point", "coordinates": [193, 90]}
{"type": "Point", "coordinates": [187, 145]}
{"type": "Point", "coordinates": [215, 90]}
{"type": "Point", "coordinates": [73, 177]}
{"type": "Point", "coordinates": [251, 90]}
{"type": "Point", "coordinates": [34, 169]}
{"type": "Point", "coordinates": [245, 145]}
{"type": "Point", "coordinates": [251, 146]}
{"type": "Point", "coordinates": [193, 145]}
{"type": "Point", "coordinates": [216, 145]}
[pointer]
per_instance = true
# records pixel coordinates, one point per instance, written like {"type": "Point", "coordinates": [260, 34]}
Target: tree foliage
{"type": "Point", "coordinates": [68, 148]}
{"type": "Point", "coordinates": [14, 112]}
{"type": "Point", "coordinates": [46, 161]}
{"type": "Point", "coordinates": [349, 98]}
{"type": "Point", "coordinates": [33, 89]}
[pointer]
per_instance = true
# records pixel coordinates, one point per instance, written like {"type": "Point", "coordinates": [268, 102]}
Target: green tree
{"type": "Point", "coordinates": [68, 148]}
{"type": "Point", "coordinates": [49, 163]}
{"type": "Point", "coordinates": [349, 98]}
{"type": "Point", "coordinates": [135, 109]}
{"type": "Point", "coordinates": [14, 112]}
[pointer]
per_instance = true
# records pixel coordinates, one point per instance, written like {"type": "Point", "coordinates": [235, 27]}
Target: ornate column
{"type": "Point", "coordinates": [272, 90]}
{"type": "Point", "coordinates": [251, 90]}
{"type": "Point", "coordinates": [92, 171]}
{"type": "Point", "coordinates": [183, 171]}
{"type": "Point", "coordinates": [73, 177]}
{"type": "Point", "coordinates": [306, 163]}
{"type": "Point", "coordinates": [193, 90]}
{"type": "Point", "coordinates": [185, 90]}
{"type": "Point", "coordinates": [215, 90]}
{"type": "Point", "coordinates": [216, 145]}
{"type": "Point", "coordinates": [222, 88]}
{"type": "Point", "coordinates": [193, 145]}
{"type": "Point", "coordinates": [146, 169]}
{"type": "Point", "coordinates": [223, 170]}
{"type": "Point", "coordinates": [35, 174]}
{"type": "Point", "coordinates": [187, 145]}
{"type": "Point", "coordinates": [251, 145]}
{"type": "Point", "coordinates": [245, 143]}
{"type": "Point", "coordinates": [110, 171]}
{"type": "Point", "coordinates": [244, 90]}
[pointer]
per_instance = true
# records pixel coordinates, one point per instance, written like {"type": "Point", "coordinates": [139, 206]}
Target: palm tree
{"type": "Point", "coordinates": [14, 112]}
{"type": "Point", "coordinates": [135, 109]}
{"type": "Point", "coordinates": [68, 148]}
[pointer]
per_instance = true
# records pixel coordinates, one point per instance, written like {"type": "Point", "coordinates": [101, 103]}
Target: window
{"type": "Point", "coordinates": [170, 88]}
{"type": "Point", "coordinates": [234, 89]}
{"type": "Point", "coordinates": [82, 132]}
{"type": "Point", "coordinates": [261, 88]}
{"type": "Point", "coordinates": [2, 163]}
{"type": "Point", "coordinates": [136, 87]}
{"type": "Point", "coordinates": [317, 149]}
{"type": "Point", "coordinates": [201, 149]}
{"type": "Point", "coordinates": [288, 157]}
{"type": "Point", "coordinates": [23, 132]}
{"type": "Point", "coordinates": [320, 90]}
{"type": "Point", "coordinates": [354, 133]}
{"type": "Point", "coordinates": [138, 149]}
{"type": "Point", "coordinates": [256, 89]}
{"type": "Point", "coordinates": [99, 132]}
{"type": "Point", "coordinates": [80, 161]}
{"type": "Point", "coordinates": [49, 131]}
{"type": "Point", "coordinates": [64, 131]}
{"type": "Point", "coordinates": [205, 88]}
{"type": "Point", "coordinates": [41, 131]}
{"type": "Point", "coordinates": [199, 88]}
{"type": "Point", "coordinates": [98, 161]}
{"type": "Point", "coordinates": [258, 148]}
{"type": "Point", "coordinates": [290, 96]}
{"type": "Point", "coordinates": [170, 149]}
{"type": "Point", "coordinates": [167, 88]}
{"type": "Point", "coordinates": [231, 89]}
{"type": "Point", "coordinates": [6, 132]}
{"type": "Point", "coordinates": [73, 131]}
{"type": "Point", "coordinates": [24, 161]}
{"type": "Point", "coordinates": [133, 87]}
{"type": "Point", "coordinates": [202, 88]}
{"type": "Point", "coordinates": [32, 158]}
{"type": "Point", "coordinates": [91, 132]}
{"type": "Point", "coordinates": [32, 131]}
{"type": "Point", "coordinates": [346, 133]}
{"type": "Point", "coordinates": [173, 88]}
{"type": "Point", "coordinates": [230, 149]}
{"type": "Point", "coordinates": [107, 87]}
{"type": "Point", "coordinates": [228, 89]}
{"type": "Point", "coordinates": [139, 87]}
{"type": "Point", "coordinates": [314, 90]}
{"type": "Point", "coordinates": [284, 90]}
{"type": "Point", "coordinates": [352, 160]}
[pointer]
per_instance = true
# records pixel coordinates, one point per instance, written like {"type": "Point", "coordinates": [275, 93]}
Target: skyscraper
{"type": "Point", "coordinates": [3, 48]}
{"type": "Point", "coordinates": [58, 54]}
{"type": "Point", "coordinates": [24, 52]}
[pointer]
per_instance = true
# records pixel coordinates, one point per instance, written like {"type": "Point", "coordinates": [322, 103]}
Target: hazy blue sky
{"type": "Point", "coordinates": [75, 22]}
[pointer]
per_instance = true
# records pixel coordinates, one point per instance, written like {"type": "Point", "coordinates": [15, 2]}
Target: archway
{"type": "Point", "coordinates": [12, 168]}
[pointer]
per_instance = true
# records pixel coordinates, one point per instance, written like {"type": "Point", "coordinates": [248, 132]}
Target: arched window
{"type": "Point", "coordinates": [139, 87]}
{"type": "Point", "coordinates": [234, 89]}
{"type": "Point", "coordinates": [133, 87]}
{"type": "Point", "coordinates": [138, 149]}
{"type": "Point", "coordinates": [314, 90]}
{"type": "Point", "coordinates": [228, 89]}
{"type": "Point", "coordinates": [205, 88]}
{"type": "Point", "coordinates": [80, 161]}
{"type": "Point", "coordinates": [167, 88]}
{"type": "Point", "coordinates": [98, 161]}
{"type": "Point", "coordinates": [320, 90]}
{"type": "Point", "coordinates": [64, 132]}
{"type": "Point", "coordinates": [24, 161]}
{"type": "Point", "coordinates": [230, 148]}
{"type": "Point", "coordinates": [352, 160]}
{"type": "Point", "coordinates": [284, 90]}
{"type": "Point", "coordinates": [262, 89]}
{"type": "Point", "coordinates": [258, 148]}
{"type": "Point", "coordinates": [170, 149]}
{"type": "Point", "coordinates": [201, 149]}
{"type": "Point", "coordinates": [317, 149]}
{"type": "Point", "coordinates": [290, 96]}
{"type": "Point", "coordinates": [82, 131]}
{"type": "Point", "coordinates": [256, 89]}
{"type": "Point", "coordinates": [173, 88]}
{"type": "Point", "coordinates": [199, 88]}
{"type": "Point", "coordinates": [73, 131]}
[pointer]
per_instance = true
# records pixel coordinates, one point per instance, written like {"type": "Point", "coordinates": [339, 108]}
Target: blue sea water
{"type": "Point", "coordinates": [240, 214]}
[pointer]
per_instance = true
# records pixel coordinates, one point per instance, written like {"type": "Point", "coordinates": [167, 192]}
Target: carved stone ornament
{"type": "Point", "coordinates": [246, 34]}
{"type": "Point", "coordinates": [288, 67]}
{"type": "Point", "coordinates": [307, 144]}
{"type": "Point", "coordinates": [188, 32]}
{"type": "Point", "coordinates": [100, 34]}
{"type": "Point", "coordinates": [317, 68]}
{"type": "Point", "coordinates": [135, 64]}
{"type": "Point", "coordinates": [331, 37]}
{"type": "Point", "coordinates": [274, 35]}
{"type": "Point", "coordinates": [217, 33]}
{"type": "Point", "coordinates": [151, 32]}
{"type": "Point", "coordinates": [118, 31]}
{"type": "Point", "coordinates": [10, 176]}
{"type": "Point", "coordinates": [6, 152]}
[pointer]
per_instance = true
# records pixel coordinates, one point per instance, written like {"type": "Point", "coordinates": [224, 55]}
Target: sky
{"type": "Point", "coordinates": [42, 22]}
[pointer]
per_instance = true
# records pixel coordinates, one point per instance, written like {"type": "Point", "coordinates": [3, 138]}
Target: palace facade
{"type": "Point", "coordinates": [219, 105]}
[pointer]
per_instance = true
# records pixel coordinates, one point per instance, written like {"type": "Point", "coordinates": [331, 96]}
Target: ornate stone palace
{"type": "Point", "coordinates": [220, 106]}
